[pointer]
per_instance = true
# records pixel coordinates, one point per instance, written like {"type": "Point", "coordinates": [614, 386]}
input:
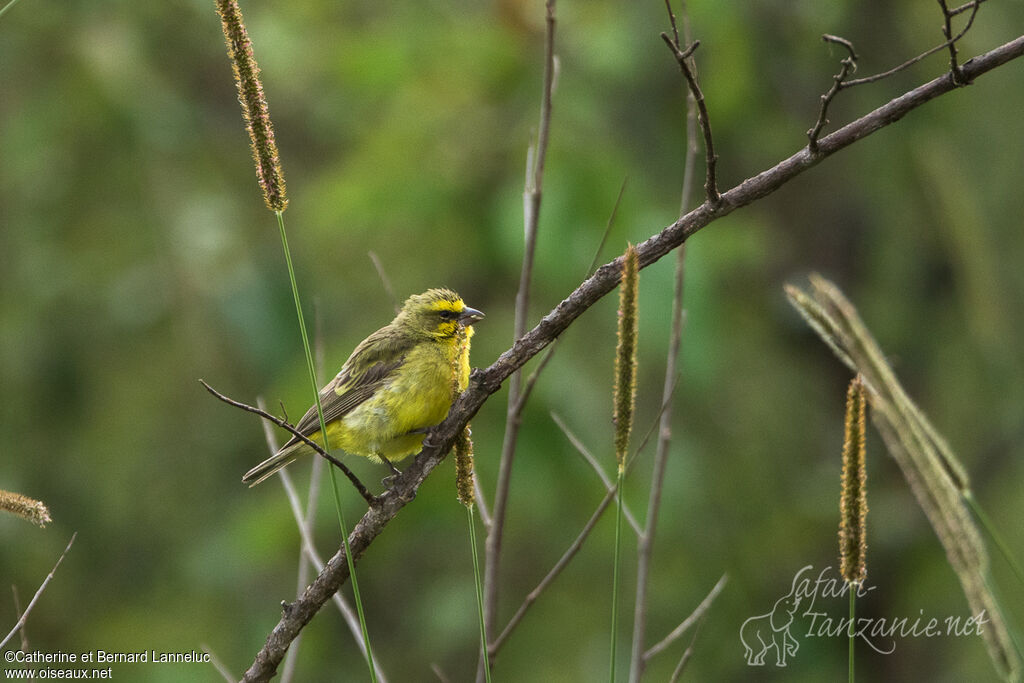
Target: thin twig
{"type": "Point", "coordinates": [947, 30]}
{"type": "Point", "coordinates": [688, 653]}
{"type": "Point", "coordinates": [562, 563]}
{"type": "Point", "coordinates": [689, 71]}
{"type": "Point", "coordinates": [7, 7]}
{"type": "Point", "coordinates": [224, 672]}
{"type": "Point", "coordinates": [367, 496]}
{"type": "Point", "coordinates": [847, 65]}
{"type": "Point", "coordinates": [531, 213]}
{"type": "Point", "coordinates": [578, 543]}
{"type": "Point", "coordinates": [32, 603]}
{"type": "Point", "coordinates": [436, 668]}
{"type": "Point", "coordinates": [964, 7]}
{"type": "Point", "coordinates": [23, 633]}
{"type": "Point", "coordinates": [679, 630]}
{"type": "Point", "coordinates": [609, 485]}
{"type": "Point", "coordinates": [481, 503]}
{"type": "Point", "coordinates": [385, 281]}
{"type": "Point", "coordinates": [973, 6]}
{"type": "Point", "coordinates": [485, 382]}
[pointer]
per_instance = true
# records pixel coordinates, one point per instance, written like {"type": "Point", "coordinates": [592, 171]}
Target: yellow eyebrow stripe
{"type": "Point", "coordinates": [446, 305]}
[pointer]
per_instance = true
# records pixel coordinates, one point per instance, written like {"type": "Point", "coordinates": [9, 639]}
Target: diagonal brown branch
{"type": "Point", "coordinates": [485, 382]}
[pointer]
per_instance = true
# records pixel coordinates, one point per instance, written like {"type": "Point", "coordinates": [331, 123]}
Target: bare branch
{"type": "Point", "coordinates": [846, 66]}
{"type": "Point", "coordinates": [645, 543]}
{"type": "Point", "coordinates": [973, 6]}
{"type": "Point", "coordinates": [367, 496]}
{"type": "Point", "coordinates": [695, 616]}
{"type": "Point", "coordinates": [481, 502]}
{"type": "Point", "coordinates": [562, 563]}
{"type": "Point", "coordinates": [436, 668]}
{"type": "Point", "coordinates": [224, 672]}
{"type": "Point", "coordinates": [32, 603]}
{"type": "Point", "coordinates": [609, 485]}
{"type": "Point", "coordinates": [485, 382]}
{"type": "Point", "coordinates": [385, 281]}
{"type": "Point", "coordinates": [689, 71]}
{"type": "Point", "coordinates": [685, 659]}
{"type": "Point", "coordinates": [23, 634]}
{"type": "Point", "coordinates": [531, 212]}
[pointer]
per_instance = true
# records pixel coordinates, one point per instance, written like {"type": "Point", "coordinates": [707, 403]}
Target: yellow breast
{"type": "Point", "coordinates": [418, 396]}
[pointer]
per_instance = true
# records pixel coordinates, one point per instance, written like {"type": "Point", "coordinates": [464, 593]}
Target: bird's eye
{"type": "Point", "coordinates": [447, 314]}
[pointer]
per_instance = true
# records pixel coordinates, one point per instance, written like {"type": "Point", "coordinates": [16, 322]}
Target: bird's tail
{"type": "Point", "coordinates": [271, 465]}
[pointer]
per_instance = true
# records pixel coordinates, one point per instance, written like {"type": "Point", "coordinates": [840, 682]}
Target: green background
{"type": "Point", "coordinates": [136, 257]}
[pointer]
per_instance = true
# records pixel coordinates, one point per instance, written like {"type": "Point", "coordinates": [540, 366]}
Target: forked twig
{"type": "Point", "coordinates": [847, 65]}
{"type": "Point", "coordinates": [689, 71]}
{"type": "Point", "coordinates": [367, 496]}
{"type": "Point", "coordinates": [840, 83]}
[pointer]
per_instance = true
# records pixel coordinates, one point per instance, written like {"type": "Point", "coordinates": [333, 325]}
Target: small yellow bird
{"type": "Point", "coordinates": [397, 384]}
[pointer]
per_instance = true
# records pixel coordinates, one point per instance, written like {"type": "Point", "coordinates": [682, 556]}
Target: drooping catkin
{"type": "Point", "coordinates": [34, 511]}
{"type": "Point", "coordinates": [853, 503]}
{"type": "Point", "coordinates": [254, 105]}
{"type": "Point", "coordinates": [625, 355]}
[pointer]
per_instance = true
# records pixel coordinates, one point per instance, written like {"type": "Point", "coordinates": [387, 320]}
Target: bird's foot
{"type": "Point", "coordinates": [390, 479]}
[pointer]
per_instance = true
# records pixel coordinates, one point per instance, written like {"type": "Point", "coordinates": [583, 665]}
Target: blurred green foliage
{"type": "Point", "coordinates": [136, 256]}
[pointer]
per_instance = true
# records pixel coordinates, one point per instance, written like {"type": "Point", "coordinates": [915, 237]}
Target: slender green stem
{"type": "Point", "coordinates": [327, 447]}
{"type": "Point", "coordinates": [615, 573]}
{"type": "Point", "coordinates": [7, 7]}
{"type": "Point", "coordinates": [853, 623]}
{"type": "Point", "coordinates": [479, 593]}
{"type": "Point", "coordinates": [994, 534]}
{"type": "Point", "coordinates": [1004, 550]}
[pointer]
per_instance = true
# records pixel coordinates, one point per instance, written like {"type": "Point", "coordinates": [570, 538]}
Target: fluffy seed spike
{"type": "Point", "coordinates": [463, 444]}
{"type": "Point", "coordinates": [464, 468]}
{"type": "Point", "coordinates": [34, 511]}
{"type": "Point", "coordinates": [254, 105]}
{"type": "Point", "coordinates": [853, 502]}
{"type": "Point", "coordinates": [625, 354]}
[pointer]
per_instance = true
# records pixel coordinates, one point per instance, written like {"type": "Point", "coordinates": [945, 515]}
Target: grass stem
{"type": "Point", "coordinates": [479, 593]}
{"type": "Point", "coordinates": [327, 447]}
{"type": "Point", "coordinates": [853, 623]}
{"type": "Point", "coordinates": [615, 573]}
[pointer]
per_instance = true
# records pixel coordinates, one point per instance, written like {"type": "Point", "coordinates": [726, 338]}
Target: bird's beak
{"type": "Point", "coordinates": [470, 316]}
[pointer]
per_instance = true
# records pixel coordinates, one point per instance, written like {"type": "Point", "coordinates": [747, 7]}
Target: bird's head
{"type": "Point", "coordinates": [438, 313]}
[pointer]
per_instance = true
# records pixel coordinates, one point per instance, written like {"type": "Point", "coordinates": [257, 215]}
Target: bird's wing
{"type": "Point", "coordinates": [365, 372]}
